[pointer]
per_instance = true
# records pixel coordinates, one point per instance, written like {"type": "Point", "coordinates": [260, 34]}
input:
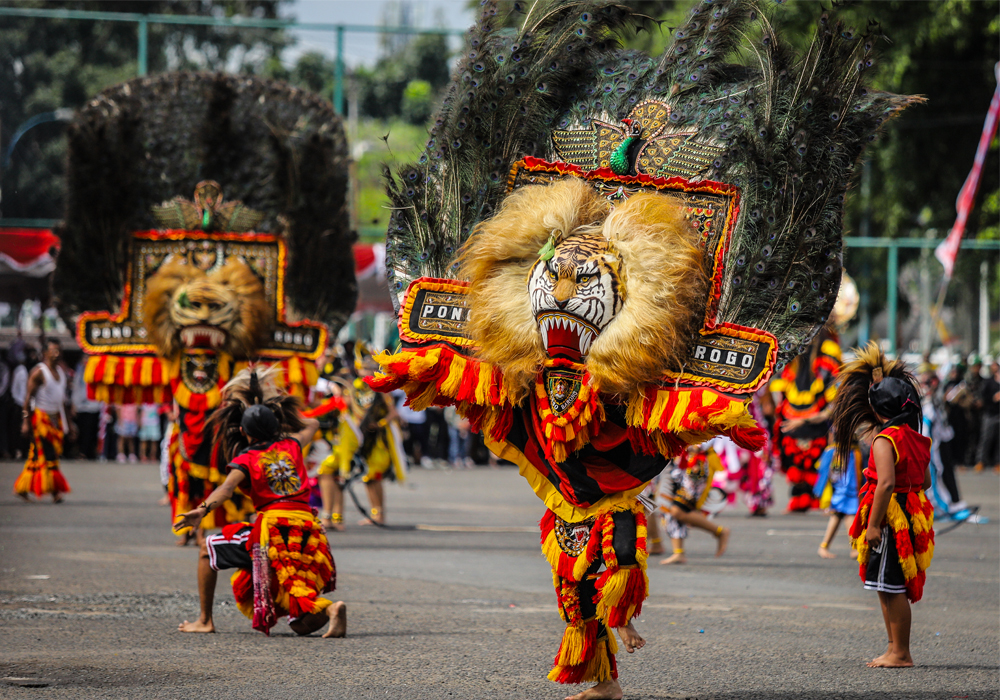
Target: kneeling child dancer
{"type": "Point", "coordinates": [283, 559]}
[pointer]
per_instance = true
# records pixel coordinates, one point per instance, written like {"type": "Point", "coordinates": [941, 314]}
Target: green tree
{"type": "Point", "coordinates": [381, 88]}
{"type": "Point", "coordinates": [314, 71]}
{"type": "Point", "coordinates": [947, 52]}
{"type": "Point", "coordinates": [49, 64]}
{"type": "Point", "coordinates": [418, 102]}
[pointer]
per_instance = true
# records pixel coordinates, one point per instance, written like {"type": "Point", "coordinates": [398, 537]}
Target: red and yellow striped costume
{"type": "Point", "coordinates": [41, 473]}
{"type": "Point", "coordinates": [910, 514]}
{"type": "Point", "coordinates": [593, 602]}
{"type": "Point", "coordinates": [299, 574]}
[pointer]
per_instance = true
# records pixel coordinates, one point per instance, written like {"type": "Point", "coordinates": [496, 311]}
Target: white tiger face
{"type": "Point", "coordinates": [575, 294]}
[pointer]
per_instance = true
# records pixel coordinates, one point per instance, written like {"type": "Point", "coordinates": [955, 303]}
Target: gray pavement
{"type": "Point", "coordinates": [91, 592]}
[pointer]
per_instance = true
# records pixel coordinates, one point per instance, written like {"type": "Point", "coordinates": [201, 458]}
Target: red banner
{"type": "Point", "coordinates": [948, 250]}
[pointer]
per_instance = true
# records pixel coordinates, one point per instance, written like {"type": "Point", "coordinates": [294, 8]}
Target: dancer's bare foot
{"type": "Point", "coordinates": [56, 498]}
{"type": "Point", "coordinates": [165, 501]}
{"type": "Point", "coordinates": [338, 620]}
{"type": "Point", "coordinates": [605, 690]}
{"type": "Point", "coordinates": [196, 626]}
{"type": "Point", "coordinates": [184, 539]}
{"type": "Point", "coordinates": [656, 548]}
{"type": "Point", "coordinates": [722, 541]}
{"type": "Point", "coordinates": [826, 553]}
{"type": "Point", "coordinates": [891, 659]}
{"type": "Point", "coordinates": [630, 638]}
{"type": "Point", "coordinates": [676, 558]}
{"type": "Point", "coordinates": [854, 554]}
{"type": "Point", "coordinates": [328, 524]}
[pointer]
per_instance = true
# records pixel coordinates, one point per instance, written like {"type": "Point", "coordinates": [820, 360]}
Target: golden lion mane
{"type": "Point", "coordinates": [663, 269]}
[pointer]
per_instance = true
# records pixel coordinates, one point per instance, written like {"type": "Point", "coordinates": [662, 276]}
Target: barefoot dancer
{"type": "Point", "coordinates": [682, 492]}
{"type": "Point", "coordinates": [45, 423]}
{"type": "Point", "coordinates": [893, 530]}
{"type": "Point", "coordinates": [283, 559]}
{"type": "Point", "coordinates": [843, 483]}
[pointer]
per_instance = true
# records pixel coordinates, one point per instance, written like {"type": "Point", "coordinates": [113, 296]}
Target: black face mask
{"type": "Point", "coordinates": [897, 400]}
{"type": "Point", "coordinates": [260, 423]}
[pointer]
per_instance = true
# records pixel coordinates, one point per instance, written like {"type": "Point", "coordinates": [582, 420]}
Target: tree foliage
{"type": "Point", "coordinates": [946, 51]}
{"type": "Point", "coordinates": [382, 89]}
{"type": "Point", "coordinates": [48, 64]}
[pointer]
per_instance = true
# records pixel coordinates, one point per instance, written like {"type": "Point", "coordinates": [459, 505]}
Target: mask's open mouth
{"type": "Point", "coordinates": [565, 334]}
{"type": "Point", "coordinates": [203, 337]}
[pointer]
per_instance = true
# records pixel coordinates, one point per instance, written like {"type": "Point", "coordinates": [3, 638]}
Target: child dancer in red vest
{"type": "Point", "coordinates": [893, 529]}
{"type": "Point", "coordinates": [282, 559]}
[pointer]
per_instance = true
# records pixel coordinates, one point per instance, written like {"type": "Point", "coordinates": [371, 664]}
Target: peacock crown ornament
{"type": "Point", "coordinates": [592, 227]}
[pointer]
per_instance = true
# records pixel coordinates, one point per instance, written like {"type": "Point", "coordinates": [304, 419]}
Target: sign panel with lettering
{"type": "Point", "coordinates": [734, 359]}
{"type": "Point", "coordinates": [435, 310]}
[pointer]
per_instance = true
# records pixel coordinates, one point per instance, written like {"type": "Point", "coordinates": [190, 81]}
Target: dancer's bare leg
{"type": "Point", "coordinates": [699, 520]}
{"type": "Point", "coordinates": [831, 530]}
{"type": "Point", "coordinates": [335, 615]}
{"type": "Point", "coordinates": [605, 690]}
{"type": "Point", "coordinates": [883, 604]}
{"type": "Point", "coordinates": [333, 500]}
{"type": "Point", "coordinates": [376, 499]}
{"type": "Point", "coordinates": [897, 610]}
{"type": "Point", "coordinates": [653, 530]}
{"type": "Point", "coordinates": [207, 576]}
{"type": "Point", "coordinates": [678, 556]}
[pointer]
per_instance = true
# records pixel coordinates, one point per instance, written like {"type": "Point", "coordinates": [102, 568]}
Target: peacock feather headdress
{"type": "Point", "coordinates": [492, 250]}
{"type": "Point", "coordinates": [786, 130]}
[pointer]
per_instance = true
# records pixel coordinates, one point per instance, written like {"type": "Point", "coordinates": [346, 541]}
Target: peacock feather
{"type": "Point", "coordinates": [727, 101]}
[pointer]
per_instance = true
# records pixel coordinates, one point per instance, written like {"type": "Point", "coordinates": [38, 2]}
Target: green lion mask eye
{"type": "Point", "coordinates": [183, 301]}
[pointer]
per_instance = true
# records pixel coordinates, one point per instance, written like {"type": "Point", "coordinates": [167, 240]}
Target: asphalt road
{"type": "Point", "coordinates": [91, 592]}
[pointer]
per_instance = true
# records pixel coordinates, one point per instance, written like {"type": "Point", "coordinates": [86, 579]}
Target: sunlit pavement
{"type": "Point", "coordinates": [91, 592]}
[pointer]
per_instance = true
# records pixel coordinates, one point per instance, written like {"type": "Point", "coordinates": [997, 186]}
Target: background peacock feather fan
{"type": "Point", "coordinates": [789, 131]}
{"type": "Point", "coordinates": [505, 98]}
{"type": "Point", "coordinates": [280, 150]}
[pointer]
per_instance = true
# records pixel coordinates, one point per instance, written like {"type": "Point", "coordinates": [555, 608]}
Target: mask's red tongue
{"type": "Point", "coordinates": [564, 342]}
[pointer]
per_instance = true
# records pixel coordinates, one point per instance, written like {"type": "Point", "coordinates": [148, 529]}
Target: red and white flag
{"type": "Point", "coordinates": [948, 250]}
{"type": "Point", "coordinates": [28, 252]}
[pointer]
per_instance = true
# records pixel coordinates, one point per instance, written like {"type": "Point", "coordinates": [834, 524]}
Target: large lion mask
{"type": "Point", "coordinates": [559, 274]}
{"type": "Point", "coordinates": [222, 309]}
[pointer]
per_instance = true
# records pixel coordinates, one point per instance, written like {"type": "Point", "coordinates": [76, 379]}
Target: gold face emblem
{"type": "Point", "coordinates": [573, 537]}
{"type": "Point", "coordinates": [279, 468]}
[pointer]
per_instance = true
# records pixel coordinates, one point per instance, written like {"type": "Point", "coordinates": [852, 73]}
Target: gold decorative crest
{"type": "Point", "coordinates": [658, 152]}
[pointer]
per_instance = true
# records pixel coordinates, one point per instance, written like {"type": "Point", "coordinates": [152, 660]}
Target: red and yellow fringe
{"type": "Point", "coordinates": [662, 420]}
{"type": "Point", "coordinates": [567, 432]}
{"type": "Point", "coordinates": [300, 573]}
{"type": "Point", "coordinates": [440, 376]}
{"type": "Point", "coordinates": [667, 420]}
{"type": "Point", "coordinates": [584, 655]}
{"type": "Point", "coordinates": [621, 590]}
{"type": "Point", "coordinates": [39, 475]}
{"type": "Point", "coordinates": [150, 379]}
{"type": "Point", "coordinates": [915, 551]}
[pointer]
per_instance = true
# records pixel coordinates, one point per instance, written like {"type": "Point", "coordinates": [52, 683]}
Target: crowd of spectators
{"type": "Point", "coordinates": [104, 432]}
